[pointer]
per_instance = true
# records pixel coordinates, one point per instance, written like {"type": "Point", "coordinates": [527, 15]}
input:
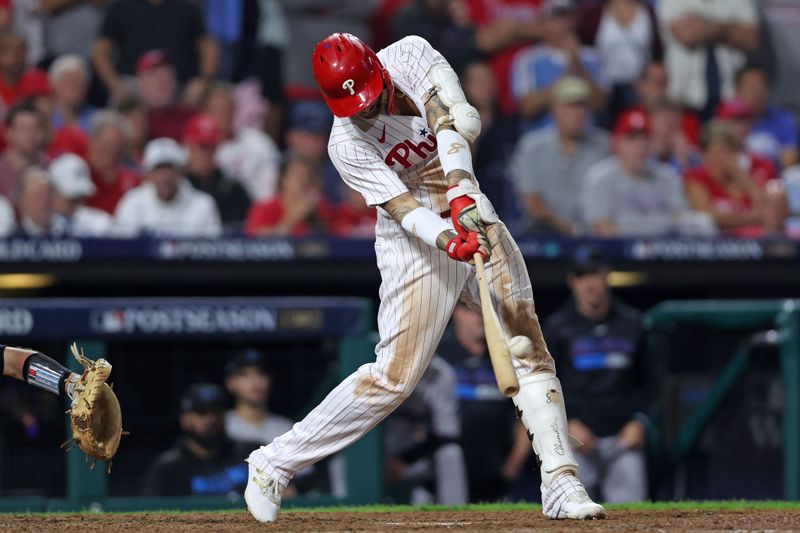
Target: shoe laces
{"type": "Point", "coordinates": [268, 486]}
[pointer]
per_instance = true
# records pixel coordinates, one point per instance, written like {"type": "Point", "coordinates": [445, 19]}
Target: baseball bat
{"type": "Point", "coordinates": [495, 339]}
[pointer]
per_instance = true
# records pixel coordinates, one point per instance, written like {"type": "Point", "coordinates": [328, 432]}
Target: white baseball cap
{"type": "Point", "coordinates": [70, 176]}
{"type": "Point", "coordinates": [163, 151]}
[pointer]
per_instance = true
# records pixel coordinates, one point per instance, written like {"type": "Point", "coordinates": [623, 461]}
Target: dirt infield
{"type": "Point", "coordinates": [667, 520]}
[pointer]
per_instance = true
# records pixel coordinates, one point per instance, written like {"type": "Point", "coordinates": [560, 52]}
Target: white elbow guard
{"type": "Point", "coordinates": [462, 116]}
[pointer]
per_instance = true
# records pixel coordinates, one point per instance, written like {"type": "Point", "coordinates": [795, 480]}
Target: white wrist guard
{"type": "Point", "coordinates": [425, 225]}
{"type": "Point", "coordinates": [461, 115]}
{"type": "Point", "coordinates": [454, 153]}
{"type": "Point", "coordinates": [484, 206]}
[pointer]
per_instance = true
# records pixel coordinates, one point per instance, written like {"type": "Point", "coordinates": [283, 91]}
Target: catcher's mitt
{"type": "Point", "coordinates": [95, 416]}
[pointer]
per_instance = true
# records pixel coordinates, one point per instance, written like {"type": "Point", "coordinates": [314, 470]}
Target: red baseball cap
{"type": "Point", "coordinates": [151, 59]}
{"type": "Point", "coordinates": [203, 130]}
{"type": "Point", "coordinates": [632, 121]}
{"type": "Point", "coordinates": [734, 109]}
{"type": "Point", "coordinates": [68, 140]}
{"type": "Point", "coordinates": [34, 83]}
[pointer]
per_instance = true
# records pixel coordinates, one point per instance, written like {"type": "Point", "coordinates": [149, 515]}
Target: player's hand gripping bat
{"type": "Point", "coordinates": [495, 339]}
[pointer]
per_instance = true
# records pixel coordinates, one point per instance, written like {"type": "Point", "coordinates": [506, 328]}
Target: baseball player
{"type": "Point", "coordinates": [401, 138]}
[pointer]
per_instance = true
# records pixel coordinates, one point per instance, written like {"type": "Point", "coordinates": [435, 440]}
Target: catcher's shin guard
{"type": "Point", "coordinates": [540, 405]}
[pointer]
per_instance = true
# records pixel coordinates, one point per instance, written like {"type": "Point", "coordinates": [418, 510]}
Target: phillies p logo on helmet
{"type": "Point", "coordinates": [349, 84]}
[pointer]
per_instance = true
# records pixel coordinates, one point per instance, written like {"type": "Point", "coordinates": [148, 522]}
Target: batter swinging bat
{"type": "Point", "coordinates": [495, 339]}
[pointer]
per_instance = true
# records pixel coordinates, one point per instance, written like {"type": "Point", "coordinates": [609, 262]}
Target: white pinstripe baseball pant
{"type": "Point", "coordinates": [420, 287]}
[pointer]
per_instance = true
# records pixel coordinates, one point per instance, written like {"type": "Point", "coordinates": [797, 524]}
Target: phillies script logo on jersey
{"type": "Point", "coordinates": [400, 153]}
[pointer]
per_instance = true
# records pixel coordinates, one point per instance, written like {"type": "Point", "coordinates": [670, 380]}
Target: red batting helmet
{"type": "Point", "coordinates": [349, 74]}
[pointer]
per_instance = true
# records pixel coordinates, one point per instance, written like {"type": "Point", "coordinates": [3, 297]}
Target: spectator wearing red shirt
{"type": "Point", "coordinates": [299, 207]}
{"type": "Point", "coordinates": [108, 132]}
{"type": "Point", "coordinates": [741, 201]}
{"type": "Point", "coordinates": [353, 217]}
{"type": "Point", "coordinates": [503, 27]}
{"type": "Point", "coordinates": [738, 115]}
{"type": "Point", "coordinates": [158, 88]}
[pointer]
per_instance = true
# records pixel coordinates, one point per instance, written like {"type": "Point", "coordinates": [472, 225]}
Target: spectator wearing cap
{"type": "Point", "coordinates": [34, 87]}
{"type": "Point", "coordinates": [549, 167]}
{"type": "Point", "coordinates": [738, 116]}
{"type": "Point", "coordinates": [603, 371]}
{"type": "Point", "coordinates": [741, 203]}
{"type": "Point", "coordinates": [108, 135]}
{"type": "Point", "coordinates": [25, 137]}
{"type": "Point", "coordinates": [247, 154]}
{"type": "Point", "coordinates": [773, 133]}
{"type": "Point", "coordinates": [201, 139]}
{"type": "Point", "coordinates": [628, 194]}
{"type": "Point", "coordinates": [307, 136]}
{"type": "Point", "coordinates": [166, 203]}
{"type": "Point", "coordinates": [69, 78]}
{"type": "Point", "coordinates": [72, 185]}
{"type": "Point", "coordinates": [202, 461]}
{"type": "Point", "coordinates": [250, 420]}
{"type": "Point", "coordinates": [157, 84]}
{"type": "Point", "coordinates": [537, 69]}
{"type": "Point", "coordinates": [705, 43]}
{"type": "Point", "coordinates": [131, 28]}
{"type": "Point", "coordinates": [298, 209]}
{"type": "Point", "coordinates": [35, 209]}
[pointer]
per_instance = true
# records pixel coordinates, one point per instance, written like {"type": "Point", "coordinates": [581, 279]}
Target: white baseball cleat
{"type": "Point", "coordinates": [567, 498]}
{"type": "Point", "coordinates": [263, 495]}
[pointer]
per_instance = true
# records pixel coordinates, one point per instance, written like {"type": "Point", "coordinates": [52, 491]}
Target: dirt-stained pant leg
{"type": "Point", "coordinates": [512, 297]}
{"type": "Point", "coordinates": [419, 291]}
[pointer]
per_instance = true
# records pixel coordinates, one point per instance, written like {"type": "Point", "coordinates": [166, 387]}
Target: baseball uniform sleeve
{"type": "Point", "coordinates": [415, 56]}
{"type": "Point", "coordinates": [363, 169]}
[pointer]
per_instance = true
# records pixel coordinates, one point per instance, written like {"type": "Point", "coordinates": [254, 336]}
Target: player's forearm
{"type": "Point", "coordinates": [419, 221]}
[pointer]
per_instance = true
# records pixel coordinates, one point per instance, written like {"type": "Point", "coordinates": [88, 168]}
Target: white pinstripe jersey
{"type": "Point", "coordinates": [396, 153]}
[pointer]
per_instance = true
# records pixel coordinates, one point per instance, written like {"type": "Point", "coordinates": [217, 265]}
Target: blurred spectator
{"type": "Point", "coordinates": [537, 68]}
{"type": "Point", "coordinates": [34, 87]}
{"type": "Point", "coordinates": [155, 77]}
{"type": "Point", "coordinates": [249, 383]}
{"type": "Point", "coordinates": [705, 44]}
{"type": "Point", "coordinates": [352, 217]}
{"type": "Point", "coordinates": [669, 143]}
{"type": "Point", "coordinates": [70, 26]}
{"type": "Point", "coordinates": [738, 117]}
{"type": "Point", "coordinates": [72, 185]}
{"type": "Point", "coordinates": [201, 139]}
{"type": "Point", "coordinates": [203, 460]}
{"type": "Point", "coordinates": [549, 167]}
{"type": "Point", "coordinates": [422, 437]}
{"type": "Point", "coordinates": [503, 28]}
{"type": "Point", "coordinates": [166, 203]}
{"type": "Point", "coordinates": [135, 112]}
{"type": "Point", "coordinates": [69, 77]}
{"type": "Point", "coordinates": [625, 35]}
{"type": "Point", "coordinates": [443, 23]}
{"type": "Point", "coordinates": [791, 182]}
{"type": "Point", "coordinates": [7, 218]}
{"type": "Point", "coordinates": [108, 133]}
{"type": "Point", "coordinates": [272, 39]}
{"type": "Point", "coordinates": [484, 409]}
{"type": "Point", "coordinates": [68, 140]}
{"type": "Point", "coordinates": [740, 202]}
{"type": "Point", "coordinates": [651, 91]}
{"type": "Point", "coordinates": [35, 203]}
{"type": "Point", "coordinates": [307, 136]}
{"type": "Point", "coordinates": [12, 66]}
{"type": "Point", "coordinates": [27, 20]}
{"type": "Point", "coordinates": [232, 24]}
{"type": "Point", "coordinates": [25, 136]}
{"type": "Point", "coordinates": [628, 194]}
{"type": "Point", "coordinates": [605, 380]}
{"type": "Point", "coordinates": [494, 146]}
{"type": "Point", "coordinates": [299, 207]}
{"type": "Point", "coordinates": [773, 134]}
{"type": "Point", "coordinates": [247, 155]}
{"type": "Point", "coordinates": [132, 28]}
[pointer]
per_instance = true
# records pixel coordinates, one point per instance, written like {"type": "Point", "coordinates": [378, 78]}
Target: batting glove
{"type": "Point", "coordinates": [464, 249]}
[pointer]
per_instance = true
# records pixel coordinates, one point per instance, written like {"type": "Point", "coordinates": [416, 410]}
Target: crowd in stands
{"type": "Point", "coordinates": [201, 117]}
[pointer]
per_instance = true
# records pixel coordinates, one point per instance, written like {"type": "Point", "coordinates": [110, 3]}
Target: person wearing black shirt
{"type": "Point", "coordinates": [601, 367]}
{"type": "Point", "coordinates": [203, 460]}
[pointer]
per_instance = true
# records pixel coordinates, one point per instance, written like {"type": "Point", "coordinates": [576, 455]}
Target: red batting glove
{"type": "Point", "coordinates": [464, 249]}
{"type": "Point", "coordinates": [457, 206]}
